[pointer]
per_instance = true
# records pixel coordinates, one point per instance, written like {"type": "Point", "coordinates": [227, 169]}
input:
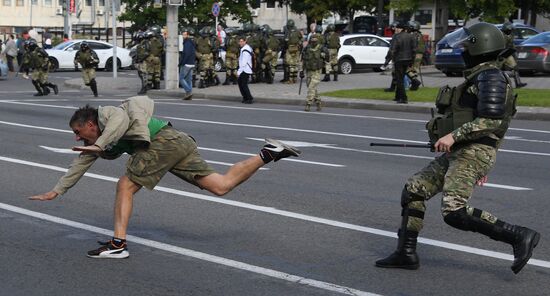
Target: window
{"type": "Point", "coordinates": [97, 46]}
{"type": "Point", "coordinates": [270, 3]}
{"type": "Point", "coordinates": [372, 41]}
{"type": "Point", "coordinates": [423, 16]}
{"type": "Point", "coordinates": [47, 2]}
{"type": "Point", "coordinates": [7, 2]}
{"type": "Point", "coordinates": [524, 33]}
{"type": "Point", "coordinates": [34, 2]}
{"type": "Point", "coordinates": [101, 2]}
{"type": "Point", "coordinates": [88, 2]}
{"type": "Point", "coordinates": [19, 2]}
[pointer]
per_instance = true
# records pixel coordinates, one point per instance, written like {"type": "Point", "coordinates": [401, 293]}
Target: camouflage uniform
{"type": "Point", "coordinates": [254, 39]}
{"type": "Point", "coordinates": [231, 59]}
{"type": "Point", "coordinates": [211, 72]}
{"type": "Point", "coordinates": [414, 69]}
{"type": "Point", "coordinates": [332, 42]}
{"type": "Point", "coordinates": [38, 60]}
{"type": "Point", "coordinates": [313, 63]}
{"type": "Point", "coordinates": [142, 52]}
{"type": "Point", "coordinates": [153, 61]}
{"type": "Point", "coordinates": [204, 57]}
{"type": "Point", "coordinates": [88, 59]}
{"type": "Point", "coordinates": [269, 61]}
{"type": "Point", "coordinates": [292, 55]}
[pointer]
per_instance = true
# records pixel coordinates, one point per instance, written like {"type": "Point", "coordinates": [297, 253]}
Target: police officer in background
{"type": "Point", "coordinates": [414, 30]}
{"type": "Point", "coordinates": [153, 61]}
{"type": "Point", "coordinates": [38, 60]}
{"type": "Point", "coordinates": [389, 58]}
{"type": "Point", "coordinates": [141, 54]}
{"type": "Point", "coordinates": [293, 43]}
{"type": "Point", "coordinates": [511, 63]}
{"type": "Point", "coordinates": [204, 55]}
{"type": "Point", "coordinates": [402, 52]}
{"type": "Point", "coordinates": [332, 43]}
{"type": "Point", "coordinates": [313, 62]}
{"type": "Point", "coordinates": [88, 59]}
{"type": "Point", "coordinates": [271, 54]}
{"type": "Point", "coordinates": [232, 49]}
{"type": "Point", "coordinates": [472, 122]}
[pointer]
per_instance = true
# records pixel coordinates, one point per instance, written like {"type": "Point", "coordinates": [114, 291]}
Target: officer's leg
{"type": "Point", "coordinates": [420, 187]}
{"type": "Point", "coordinates": [400, 94]}
{"type": "Point", "coordinates": [469, 165]}
{"type": "Point", "coordinates": [39, 90]}
{"type": "Point", "coordinates": [142, 73]}
{"type": "Point", "coordinates": [328, 68]}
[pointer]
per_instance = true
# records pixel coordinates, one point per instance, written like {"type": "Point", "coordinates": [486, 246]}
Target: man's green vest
{"type": "Point", "coordinates": [457, 106]}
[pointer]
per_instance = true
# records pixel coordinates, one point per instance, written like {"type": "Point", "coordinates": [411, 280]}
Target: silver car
{"type": "Point", "coordinates": [533, 54]}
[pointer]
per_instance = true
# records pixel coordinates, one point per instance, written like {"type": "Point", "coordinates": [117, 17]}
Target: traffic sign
{"type": "Point", "coordinates": [216, 9]}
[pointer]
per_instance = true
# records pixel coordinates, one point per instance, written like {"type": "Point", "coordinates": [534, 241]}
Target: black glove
{"type": "Point", "coordinates": [301, 74]}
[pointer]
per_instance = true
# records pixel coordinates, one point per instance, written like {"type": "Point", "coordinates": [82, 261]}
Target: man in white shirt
{"type": "Point", "coordinates": [246, 57]}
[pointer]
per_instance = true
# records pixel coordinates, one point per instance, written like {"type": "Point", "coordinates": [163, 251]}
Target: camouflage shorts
{"type": "Point", "coordinates": [455, 174]}
{"type": "Point", "coordinates": [170, 151]}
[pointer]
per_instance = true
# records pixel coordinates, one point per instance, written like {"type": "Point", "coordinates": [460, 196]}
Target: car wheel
{"type": "Point", "coordinates": [218, 66]}
{"type": "Point", "coordinates": [109, 65]}
{"type": "Point", "coordinates": [346, 66]}
{"type": "Point", "coordinates": [376, 69]}
{"type": "Point", "coordinates": [54, 64]}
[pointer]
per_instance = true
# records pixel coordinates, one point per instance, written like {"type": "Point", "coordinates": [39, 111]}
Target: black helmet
{"type": "Point", "coordinates": [155, 29]}
{"type": "Point", "coordinates": [331, 28]}
{"type": "Point", "coordinates": [84, 45]}
{"type": "Point", "coordinates": [32, 44]}
{"type": "Point", "coordinates": [140, 36]}
{"type": "Point", "coordinates": [290, 23]}
{"type": "Point", "coordinates": [413, 25]}
{"type": "Point", "coordinates": [480, 39]}
{"type": "Point", "coordinates": [149, 34]}
{"type": "Point", "coordinates": [507, 27]}
{"type": "Point", "coordinates": [267, 29]}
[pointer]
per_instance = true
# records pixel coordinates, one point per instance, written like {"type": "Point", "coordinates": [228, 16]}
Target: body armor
{"type": "Point", "coordinates": [87, 58]}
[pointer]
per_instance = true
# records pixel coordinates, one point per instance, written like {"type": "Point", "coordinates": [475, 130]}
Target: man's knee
{"type": "Point", "coordinates": [124, 183]}
{"type": "Point", "coordinates": [408, 196]}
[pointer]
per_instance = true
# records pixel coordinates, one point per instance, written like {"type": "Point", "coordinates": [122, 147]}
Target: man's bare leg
{"type": "Point", "coordinates": [123, 205]}
{"type": "Point", "coordinates": [221, 184]}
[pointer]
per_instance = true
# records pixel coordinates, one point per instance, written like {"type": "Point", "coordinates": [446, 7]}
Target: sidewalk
{"type": "Point", "coordinates": [279, 93]}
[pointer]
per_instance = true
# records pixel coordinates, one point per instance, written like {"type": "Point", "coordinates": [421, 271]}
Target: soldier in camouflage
{"type": "Point", "coordinates": [204, 56]}
{"type": "Point", "coordinates": [211, 72]}
{"type": "Point", "coordinates": [38, 60]}
{"type": "Point", "coordinates": [293, 43]}
{"type": "Point", "coordinates": [313, 57]}
{"type": "Point", "coordinates": [88, 60]}
{"type": "Point", "coordinates": [141, 53]}
{"type": "Point", "coordinates": [332, 43]}
{"type": "Point", "coordinates": [271, 54]}
{"type": "Point", "coordinates": [254, 40]}
{"type": "Point", "coordinates": [510, 63]}
{"type": "Point", "coordinates": [153, 61]}
{"type": "Point", "coordinates": [412, 72]}
{"type": "Point", "coordinates": [472, 121]}
{"type": "Point", "coordinates": [231, 56]}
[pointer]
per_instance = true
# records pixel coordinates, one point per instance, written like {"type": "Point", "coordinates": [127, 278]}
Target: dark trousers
{"type": "Point", "coordinates": [10, 63]}
{"type": "Point", "coordinates": [243, 87]}
{"type": "Point", "coordinates": [400, 69]}
{"type": "Point", "coordinates": [19, 59]}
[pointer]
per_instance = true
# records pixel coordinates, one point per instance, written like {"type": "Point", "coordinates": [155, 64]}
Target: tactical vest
{"type": "Point", "coordinates": [38, 58]}
{"type": "Point", "coordinates": [294, 38]}
{"type": "Point", "coordinates": [203, 45]}
{"type": "Point", "coordinates": [142, 51]}
{"type": "Point", "coordinates": [155, 47]}
{"type": "Point", "coordinates": [233, 45]}
{"type": "Point", "coordinates": [333, 41]}
{"type": "Point", "coordinates": [420, 43]}
{"type": "Point", "coordinates": [273, 43]}
{"type": "Point", "coordinates": [85, 58]}
{"type": "Point", "coordinates": [312, 58]}
{"type": "Point", "coordinates": [457, 106]}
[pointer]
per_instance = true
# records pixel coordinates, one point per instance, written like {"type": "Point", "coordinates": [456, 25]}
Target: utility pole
{"type": "Point", "coordinates": [171, 77]}
{"type": "Point", "coordinates": [380, 9]}
{"type": "Point", "coordinates": [115, 59]}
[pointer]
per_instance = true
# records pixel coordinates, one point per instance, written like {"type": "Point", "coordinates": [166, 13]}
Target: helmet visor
{"type": "Point", "coordinates": [461, 38]}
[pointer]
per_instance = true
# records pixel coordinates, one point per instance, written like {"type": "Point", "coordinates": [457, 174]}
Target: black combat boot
{"type": "Point", "coordinates": [285, 74]}
{"type": "Point", "coordinates": [201, 83]}
{"type": "Point", "coordinates": [522, 239]}
{"type": "Point", "coordinates": [193, 80]}
{"type": "Point", "coordinates": [216, 80]}
{"type": "Point", "coordinates": [335, 76]}
{"type": "Point", "coordinates": [157, 84]}
{"type": "Point", "coordinates": [52, 86]}
{"type": "Point", "coordinates": [226, 82]}
{"type": "Point", "coordinates": [519, 84]}
{"type": "Point", "coordinates": [234, 79]}
{"type": "Point", "coordinates": [45, 89]}
{"type": "Point", "coordinates": [93, 86]}
{"type": "Point", "coordinates": [40, 91]}
{"type": "Point", "coordinates": [405, 256]}
{"type": "Point", "coordinates": [326, 78]}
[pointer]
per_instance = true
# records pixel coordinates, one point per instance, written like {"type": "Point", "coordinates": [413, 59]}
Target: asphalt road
{"type": "Point", "coordinates": [312, 225]}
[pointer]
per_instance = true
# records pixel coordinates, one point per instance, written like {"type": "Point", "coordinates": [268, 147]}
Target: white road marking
{"type": "Point", "coordinates": [39, 105]}
{"type": "Point", "coordinates": [32, 92]}
{"type": "Point", "coordinates": [35, 127]}
{"type": "Point", "coordinates": [70, 151]}
{"type": "Point", "coordinates": [193, 254]}
{"type": "Point", "coordinates": [298, 216]}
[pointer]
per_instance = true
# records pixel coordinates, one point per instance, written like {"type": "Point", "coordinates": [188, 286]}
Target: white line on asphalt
{"type": "Point", "coordinates": [193, 254]}
{"type": "Point", "coordinates": [36, 127]}
{"type": "Point", "coordinates": [298, 216]}
{"type": "Point", "coordinates": [39, 105]}
{"type": "Point", "coordinates": [30, 92]}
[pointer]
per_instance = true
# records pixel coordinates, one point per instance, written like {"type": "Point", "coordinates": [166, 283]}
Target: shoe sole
{"type": "Point", "coordinates": [293, 150]}
{"type": "Point", "coordinates": [105, 255]}
{"type": "Point", "coordinates": [534, 244]}
{"type": "Point", "coordinates": [408, 267]}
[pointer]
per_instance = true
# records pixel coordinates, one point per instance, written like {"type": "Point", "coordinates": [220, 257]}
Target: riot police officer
{"type": "Point", "coordinates": [204, 55]}
{"type": "Point", "coordinates": [271, 54]}
{"type": "Point", "coordinates": [38, 60]}
{"type": "Point", "coordinates": [332, 43]}
{"type": "Point", "coordinates": [511, 63]}
{"type": "Point", "coordinates": [293, 43]}
{"type": "Point", "coordinates": [153, 61]}
{"type": "Point", "coordinates": [141, 54]}
{"type": "Point", "coordinates": [313, 62]}
{"type": "Point", "coordinates": [231, 56]}
{"type": "Point", "coordinates": [414, 30]}
{"type": "Point", "coordinates": [472, 121]}
{"type": "Point", "coordinates": [88, 59]}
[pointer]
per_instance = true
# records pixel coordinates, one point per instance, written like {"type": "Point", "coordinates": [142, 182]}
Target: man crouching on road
{"type": "Point", "coordinates": [155, 148]}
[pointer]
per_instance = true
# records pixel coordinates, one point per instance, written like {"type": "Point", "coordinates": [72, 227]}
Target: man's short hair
{"type": "Point", "coordinates": [83, 114]}
{"type": "Point", "coordinates": [243, 38]}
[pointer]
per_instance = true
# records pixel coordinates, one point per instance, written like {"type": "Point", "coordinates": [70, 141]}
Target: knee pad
{"type": "Point", "coordinates": [407, 197]}
{"type": "Point", "coordinates": [459, 219]}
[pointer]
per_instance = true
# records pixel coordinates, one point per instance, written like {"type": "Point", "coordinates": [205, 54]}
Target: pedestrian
{"type": "Point", "coordinates": [187, 64]}
{"type": "Point", "coordinates": [511, 63]}
{"type": "Point", "coordinates": [155, 148]}
{"type": "Point", "coordinates": [293, 45]}
{"type": "Point", "coordinates": [313, 62]}
{"type": "Point", "coordinates": [389, 58]}
{"type": "Point", "coordinates": [271, 54]}
{"type": "Point", "coordinates": [20, 50]}
{"type": "Point", "coordinates": [221, 35]}
{"type": "Point", "coordinates": [66, 37]}
{"type": "Point", "coordinates": [11, 52]}
{"type": "Point", "coordinates": [246, 56]}
{"type": "Point", "coordinates": [47, 40]}
{"type": "Point", "coordinates": [469, 134]}
{"type": "Point", "coordinates": [402, 53]}
{"type": "Point", "coordinates": [89, 60]}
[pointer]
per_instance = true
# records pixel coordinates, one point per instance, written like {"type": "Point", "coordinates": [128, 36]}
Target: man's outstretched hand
{"type": "Point", "coordinates": [87, 149]}
{"type": "Point", "coordinates": [46, 196]}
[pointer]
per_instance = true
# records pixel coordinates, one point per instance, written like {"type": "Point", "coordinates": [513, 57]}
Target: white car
{"type": "Point", "coordinates": [362, 51]}
{"type": "Point", "coordinates": [62, 55]}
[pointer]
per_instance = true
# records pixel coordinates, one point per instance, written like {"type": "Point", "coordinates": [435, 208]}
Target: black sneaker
{"type": "Point", "coordinates": [278, 150]}
{"type": "Point", "coordinates": [109, 250]}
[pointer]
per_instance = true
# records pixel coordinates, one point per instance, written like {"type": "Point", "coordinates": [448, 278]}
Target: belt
{"type": "Point", "coordinates": [488, 141]}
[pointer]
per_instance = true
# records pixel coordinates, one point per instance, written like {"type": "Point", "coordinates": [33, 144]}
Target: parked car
{"type": "Point", "coordinates": [362, 51]}
{"type": "Point", "coordinates": [62, 55]}
{"type": "Point", "coordinates": [532, 54]}
{"type": "Point", "coordinates": [449, 60]}
{"type": "Point", "coordinates": [3, 70]}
